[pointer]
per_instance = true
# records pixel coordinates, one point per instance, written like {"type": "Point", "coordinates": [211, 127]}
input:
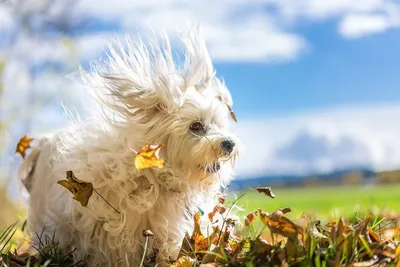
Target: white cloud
{"type": "Point", "coordinates": [309, 152]}
{"type": "Point", "coordinates": [236, 30]}
{"type": "Point", "coordinates": [90, 47]}
{"type": "Point", "coordinates": [340, 137]}
{"type": "Point", "coordinates": [45, 50]}
{"type": "Point", "coordinates": [357, 18]}
{"type": "Point", "coordinates": [253, 40]}
{"type": "Point", "coordinates": [232, 32]}
{"type": "Point", "coordinates": [355, 25]}
{"type": "Point", "coordinates": [63, 50]}
{"type": "Point", "coordinates": [6, 19]}
{"type": "Point", "coordinates": [358, 25]}
{"type": "Point", "coordinates": [319, 10]}
{"type": "Point", "coordinates": [253, 30]}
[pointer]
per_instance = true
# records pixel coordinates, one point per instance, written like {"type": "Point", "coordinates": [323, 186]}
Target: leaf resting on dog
{"type": "Point", "coordinates": [81, 190]}
{"type": "Point", "coordinates": [23, 145]}
{"type": "Point", "coordinates": [149, 157]}
{"type": "Point", "coordinates": [233, 116]}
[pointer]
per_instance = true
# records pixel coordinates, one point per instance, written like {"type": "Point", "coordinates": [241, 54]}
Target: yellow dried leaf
{"type": "Point", "coordinates": [23, 145]}
{"type": "Point", "coordinates": [81, 190]}
{"type": "Point", "coordinates": [373, 235]}
{"type": "Point", "coordinates": [198, 239]}
{"type": "Point", "coordinates": [251, 217]}
{"type": "Point", "coordinates": [184, 261]}
{"type": "Point", "coordinates": [198, 242]}
{"type": "Point", "coordinates": [149, 157]}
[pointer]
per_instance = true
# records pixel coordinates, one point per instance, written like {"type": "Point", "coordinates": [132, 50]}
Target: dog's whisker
{"type": "Point", "coordinates": [215, 153]}
{"type": "Point", "coordinates": [216, 158]}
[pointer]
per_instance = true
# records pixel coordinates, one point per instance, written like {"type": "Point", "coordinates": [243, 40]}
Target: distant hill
{"type": "Point", "coordinates": [363, 175]}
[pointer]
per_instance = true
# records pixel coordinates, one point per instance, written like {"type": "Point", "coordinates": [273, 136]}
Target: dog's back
{"type": "Point", "coordinates": [34, 175]}
{"type": "Point", "coordinates": [30, 165]}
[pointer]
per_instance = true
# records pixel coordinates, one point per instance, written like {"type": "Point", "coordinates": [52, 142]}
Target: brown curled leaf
{"type": "Point", "coordinates": [266, 190]}
{"type": "Point", "coordinates": [251, 217]}
{"type": "Point", "coordinates": [219, 209]}
{"type": "Point", "coordinates": [278, 223]}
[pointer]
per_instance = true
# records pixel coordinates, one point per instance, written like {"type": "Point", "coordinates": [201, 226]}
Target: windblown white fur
{"type": "Point", "coordinates": [145, 98]}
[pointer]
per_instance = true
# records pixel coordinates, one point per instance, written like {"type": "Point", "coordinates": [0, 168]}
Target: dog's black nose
{"type": "Point", "coordinates": [227, 146]}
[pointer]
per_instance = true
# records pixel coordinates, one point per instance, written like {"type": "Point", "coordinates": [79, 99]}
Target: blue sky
{"type": "Point", "coordinates": [317, 79]}
{"type": "Point", "coordinates": [334, 72]}
{"type": "Point", "coordinates": [331, 71]}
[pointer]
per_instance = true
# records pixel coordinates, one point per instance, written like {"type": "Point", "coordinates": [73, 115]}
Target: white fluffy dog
{"type": "Point", "coordinates": [145, 98]}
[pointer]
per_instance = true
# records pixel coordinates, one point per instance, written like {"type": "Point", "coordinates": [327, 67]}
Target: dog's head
{"type": "Point", "coordinates": [196, 135]}
{"type": "Point", "coordinates": [152, 100]}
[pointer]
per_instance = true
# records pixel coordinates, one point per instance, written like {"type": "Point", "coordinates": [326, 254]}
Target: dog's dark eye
{"type": "Point", "coordinates": [197, 126]}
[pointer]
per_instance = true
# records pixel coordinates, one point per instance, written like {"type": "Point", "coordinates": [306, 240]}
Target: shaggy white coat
{"type": "Point", "coordinates": [145, 98]}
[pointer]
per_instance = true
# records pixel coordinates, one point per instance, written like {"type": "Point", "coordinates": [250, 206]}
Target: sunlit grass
{"type": "Point", "coordinates": [327, 202]}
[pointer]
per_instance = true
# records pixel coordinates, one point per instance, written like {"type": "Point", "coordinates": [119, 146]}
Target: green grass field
{"type": "Point", "coordinates": [326, 202]}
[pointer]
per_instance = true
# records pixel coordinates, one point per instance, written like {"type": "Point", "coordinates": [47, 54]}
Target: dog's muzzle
{"type": "Point", "coordinates": [227, 146]}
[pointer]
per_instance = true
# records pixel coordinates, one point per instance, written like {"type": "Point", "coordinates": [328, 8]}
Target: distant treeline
{"type": "Point", "coordinates": [344, 177]}
{"type": "Point", "coordinates": [356, 178]}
